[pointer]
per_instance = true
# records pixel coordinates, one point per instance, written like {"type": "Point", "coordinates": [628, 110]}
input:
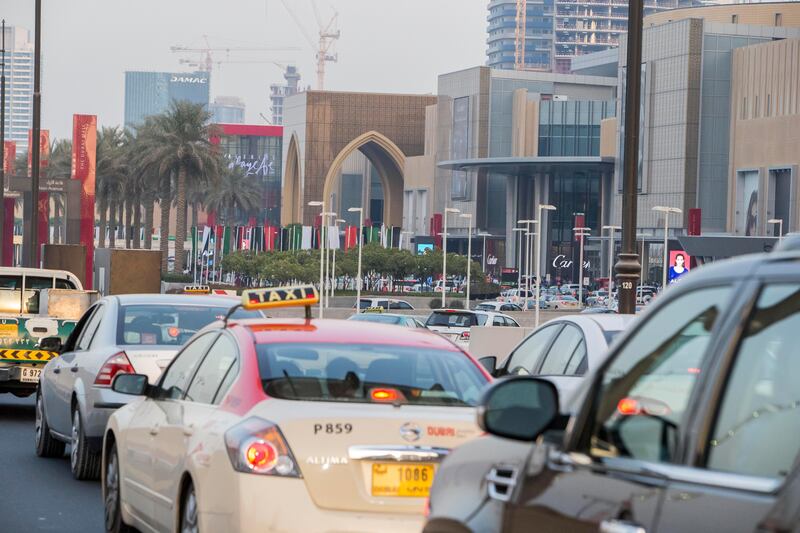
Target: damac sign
{"type": "Point", "coordinates": [561, 261]}
{"type": "Point", "coordinates": [188, 79]}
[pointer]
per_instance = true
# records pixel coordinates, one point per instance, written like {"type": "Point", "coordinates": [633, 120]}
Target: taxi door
{"type": "Point", "coordinates": [634, 422]}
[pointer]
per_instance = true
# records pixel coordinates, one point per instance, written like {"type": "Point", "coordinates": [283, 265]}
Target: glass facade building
{"type": "Point", "coordinates": [572, 128]}
{"type": "Point", "coordinates": [150, 93]}
{"type": "Point", "coordinates": [19, 86]}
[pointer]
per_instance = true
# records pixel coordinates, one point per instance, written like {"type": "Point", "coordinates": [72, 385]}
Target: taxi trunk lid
{"type": "Point", "coordinates": [150, 361]}
{"type": "Point", "coordinates": [368, 457]}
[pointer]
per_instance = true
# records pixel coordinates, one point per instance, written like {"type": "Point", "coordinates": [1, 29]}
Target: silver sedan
{"type": "Point", "coordinates": [118, 334]}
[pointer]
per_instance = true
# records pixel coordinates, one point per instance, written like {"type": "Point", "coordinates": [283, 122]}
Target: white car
{"type": "Point", "coordinates": [497, 306]}
{"type": "Point", "coordinates": [289, 424]}
{"type": "Point", "coordinates": [455, 324]}
{"type": "Point", "coordinates": [385, 303]}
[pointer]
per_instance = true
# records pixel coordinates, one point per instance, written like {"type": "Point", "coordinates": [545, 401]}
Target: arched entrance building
{"type": "Point", "coordinates": [323, 129]}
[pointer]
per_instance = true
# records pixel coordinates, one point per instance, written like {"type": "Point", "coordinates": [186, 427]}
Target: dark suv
{"type": "Point", "coordinates": [691, 424]}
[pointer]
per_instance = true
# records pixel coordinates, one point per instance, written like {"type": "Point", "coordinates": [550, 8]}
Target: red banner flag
{"type": "Point", "coordinates": [10, 155]}
{"type": "Point", "coordinates": [351, 237]}
{"type": "Point", "coordinates": [8, 231]}
{"type": "Point", "coordinates": [44, 149]}
{"type": "Point", "coordinates": [84, 165]}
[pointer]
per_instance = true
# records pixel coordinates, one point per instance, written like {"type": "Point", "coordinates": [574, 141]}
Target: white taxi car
{"type": "Point", "coordinates": [289, 425]}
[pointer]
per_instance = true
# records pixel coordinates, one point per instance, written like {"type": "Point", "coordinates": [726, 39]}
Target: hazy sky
{"type": "Point", "coordinates": [385, 46]}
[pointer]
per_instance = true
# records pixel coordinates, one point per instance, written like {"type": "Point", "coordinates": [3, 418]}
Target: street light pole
{"type": "Point", "coordinates": [325, 216]}
{"type": "Point", "coordinates": [611, 232]}
{"type": "Point", "coordinates": [444, 251]}
{"type": "Point", "coordinates": [540, 212]}
{"type": "Point", "coordinates": [527, 258]}
{"type": "Point", "coordinates": [779, 222]}
{"type": "Point", "coordinates": [483, 254]}
{"type": "Point", "coordinates": [321, 205]}
{"type": "Point", "coordinates": [666, 211]}
{"type": "Point", "coordinates": [468, 216]}
{"type": "Point", "coordinates": [519, 262]}
{"type": "Point", "coordinates": [628, 266]}
{"type": "Point", "coordinates": [360, 211]}
{"type": "Point", "coordinates": [3, 136]}
{"type": "Point", "coordinates": [33, 223]}
{"type": "Point", "coordinates": [333, 270]}
{"type": "Point", "coordinates": [581, 232]}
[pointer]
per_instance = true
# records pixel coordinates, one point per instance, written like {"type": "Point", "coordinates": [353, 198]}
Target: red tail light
{"type": "Point", "coordinates": [464, 336]}
{"type": "Point", "coordinates": [386, 395]}
{"type": "Point", "coordinates": [257, 446]}
{"type": "Point", "coordinates": [116, 364]}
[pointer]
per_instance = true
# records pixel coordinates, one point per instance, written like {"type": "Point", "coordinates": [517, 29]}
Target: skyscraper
{"type": "Point", "coordinates": [227, 110]}
{"type": "Point", "coordinates": [558, 30]}
{"type": "Point", "coordinates": [150, 93]}
{"type": "Point", "coordinates": [278, 92]}
{"type": "Point", "coordinates": [19, 86]}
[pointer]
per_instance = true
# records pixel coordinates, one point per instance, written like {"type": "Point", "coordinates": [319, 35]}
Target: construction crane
{"type": "Point", "coordinates": [519, 34]}
{"type": "Point", "coordinates": [207, 61]}
{"type": "Point", "coordinates": [328, 35]}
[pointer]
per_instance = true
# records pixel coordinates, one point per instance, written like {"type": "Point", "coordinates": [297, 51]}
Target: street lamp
{"type": "Point", "coordinates": [611, 232]}
{"type": "Point", "coordinates": [641, 268]}
{"type": "Point", "coordinates": [779, 222]}
{"type": "Point", "coordinates": [581, 232]}
{"type": "Point", "coordinates": [540, 208]}
{"type": "Point", "coordinates": [483, 255]}
{"type": "Point", "coordinates": [333, 270]}
{"type": "Point", "coordinates": [527, 257]}
{"type": "Point", "coordinates": [519, 262]}
{"type": "Point", "coordinates": [360, 211]}
{"type": "Point", "coordinates": [468, 216]}
{"type": "Point", "coordinates": [325, 238]}
{"type": "Point", "coordinates": [321, 205]}
{"type": "Point", "coordinates": [444, 250]}
{"type": "Point", "coordinates": [667, 211]}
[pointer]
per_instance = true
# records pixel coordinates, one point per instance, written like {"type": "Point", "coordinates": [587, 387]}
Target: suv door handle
{"type": "Point", "coordinates": [57, 370]}
{"type": "Point", "coordinates": [154, 429]}
{"type": "Point", "coordinates": [73, 368]}
{"type": "Point", "coordinates": [620, 526]}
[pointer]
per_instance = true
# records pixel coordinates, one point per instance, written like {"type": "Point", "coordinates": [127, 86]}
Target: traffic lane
{"type": "Point", "coordinates": [39, 494]}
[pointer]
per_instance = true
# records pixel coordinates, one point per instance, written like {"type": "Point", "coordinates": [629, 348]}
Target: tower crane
{"type": "Point", "coordinates": [206, 63]}
{"type": "Point", "coordinates": [328, 35]}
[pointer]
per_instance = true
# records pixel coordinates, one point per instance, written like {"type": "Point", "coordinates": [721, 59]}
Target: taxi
{"type": "Point", "coordinates": [289, 425]}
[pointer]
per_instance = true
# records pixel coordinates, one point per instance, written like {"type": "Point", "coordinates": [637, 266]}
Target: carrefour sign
{"type": "Point", "coordinates": [188, 79]}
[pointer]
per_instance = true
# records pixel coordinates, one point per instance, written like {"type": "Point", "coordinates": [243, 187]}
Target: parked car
{"type": "Point", "coordinates": [691, 423]}
{"type": "Point", "coordinates": [456, 323]}
{"type": "Point", "coordinates": [118, 334]}
{"type": "Point", "coordinates": [385, 303]}
{"type": "Point", "coordinates": [388, 318]}
{"type": "Point", "coordinates": [562, 350]}
{"type": "Point", "coordinates": [562, 301]}
{"type": "Point", "coordinates": [497, 306]}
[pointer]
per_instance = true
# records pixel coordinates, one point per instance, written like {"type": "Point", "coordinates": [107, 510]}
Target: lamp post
{"type": "Point", "coordinates": [321, 205]}
{"type": "Point", "coordinates": [468, 216]}
{"type": "Point", "coordinates": [581, 232]}
{"type": "Point", "coordinates": [641, 236]}
{"type": "Point", "coordinates": [325, 221]}
{"type": "Point", "coordinates": [540, 211]}
{"type": "Point", "coordinates": [360, 211]}
{"type": "Point", "coordinates": [779, 222]}
{"type": "Point", "coordinates": [527, 258]}
{"type": "Point", "coordinates": [333, 269]}
{"type": "Point", "coordinates": [667, 211]}
{"type": "Point", "coordinates": [483, 255]}
{"type": "Point", "coordinates": [611, 231]}
{"type": "Point", "coordinates": [519, 231]}
{"type": "Point", "coordinates": [444, 250]}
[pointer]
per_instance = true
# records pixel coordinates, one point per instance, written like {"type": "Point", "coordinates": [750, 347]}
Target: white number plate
{"type": "Point", "coordinates": [29, 374]}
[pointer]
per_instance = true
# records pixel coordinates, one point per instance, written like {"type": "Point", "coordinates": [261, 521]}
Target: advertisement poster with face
{"type": "Point", "coordinates": [679, 262]}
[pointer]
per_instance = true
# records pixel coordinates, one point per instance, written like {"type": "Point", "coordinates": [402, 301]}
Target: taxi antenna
{"type": "Point", "coordinates": [230, 313]}
{"type": "Point", "coordinates": [308, 312]}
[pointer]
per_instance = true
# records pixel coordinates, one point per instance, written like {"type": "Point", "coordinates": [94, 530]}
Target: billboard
{"type": "Point", "coordinates": [679, 265]}
{"type": "Point", "coordinates": [84, 159]}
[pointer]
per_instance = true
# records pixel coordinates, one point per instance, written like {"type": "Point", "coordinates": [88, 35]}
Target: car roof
{"type": "Point", "coordinates": [175, 299]}
{"type": "Point", "coordinates": [340, 331]}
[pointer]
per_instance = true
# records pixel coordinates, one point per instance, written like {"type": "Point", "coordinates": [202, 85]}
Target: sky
{"type": "Point", "coordinates": [398, 46]}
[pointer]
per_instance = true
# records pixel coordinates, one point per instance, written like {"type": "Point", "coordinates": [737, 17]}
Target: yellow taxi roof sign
{"type": "Point", "coordinates": [295, 296]}
{"type": "Point", "coordinates": [197, 289]}
{"type": "Point", "coordinates": [374, 309]}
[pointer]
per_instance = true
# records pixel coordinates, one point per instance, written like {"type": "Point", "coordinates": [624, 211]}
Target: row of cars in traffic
{"type": "Point", "coordinates": [683, 419]}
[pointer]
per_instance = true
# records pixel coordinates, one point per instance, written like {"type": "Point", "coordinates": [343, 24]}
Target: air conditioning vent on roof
{"type": "Point", "coordinates": [501, 481]}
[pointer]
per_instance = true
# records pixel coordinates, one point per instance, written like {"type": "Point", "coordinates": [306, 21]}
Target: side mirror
{"type": "Point", "coordinates": [51, 344]}
{"type": "Point", "coordinates": [489, 363]}
{"type": "Point", "coordinates": [519, 408]}
{"type": "Point", "coordinates": [133, 384]}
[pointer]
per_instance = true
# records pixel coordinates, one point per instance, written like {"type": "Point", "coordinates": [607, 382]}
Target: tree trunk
{"type": "Point", "coordinates": [103, 208]}
{"type": "Point", "coordinates": [112, 224]}
{"type": "Point", "coordinates": [137, 222]}
{"type": "Point", "coordinates": [195, 208]}
{"type": "Point", "coordinates": [149, 208]}
{"type": "Point", "coordinates": [180, 225]}
{"type": "Point", "coordinates": [129, 229]}
{"type": "Point", "coordinates": [163, 240]}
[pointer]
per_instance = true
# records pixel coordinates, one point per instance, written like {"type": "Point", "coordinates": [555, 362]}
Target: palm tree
{"type": "Point", "coordinates": [234, 193]}
{"type": "Point", "coordinates": [111, 173]}
{"type": "Point", "coordinates": [60, 168]}
{"type": "Point", "coordinates": [180, 142]}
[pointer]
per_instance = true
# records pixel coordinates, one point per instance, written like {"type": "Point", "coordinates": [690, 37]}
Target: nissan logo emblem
{"type": "Point", "coordinates": [410, 432]}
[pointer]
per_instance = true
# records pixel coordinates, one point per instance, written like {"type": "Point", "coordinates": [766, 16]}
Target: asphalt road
{"type": "Point", "coordinates": [39, 494]}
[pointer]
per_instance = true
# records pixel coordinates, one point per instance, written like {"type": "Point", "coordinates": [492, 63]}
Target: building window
{"type": "Point", "coordinates": [778, 19]}
{"type": "Point", "coordinates": [744, 108]}
{"type": "Point", "coordinates": [735, 19]}
{"type": "Point", "coordinates": [756, 110]}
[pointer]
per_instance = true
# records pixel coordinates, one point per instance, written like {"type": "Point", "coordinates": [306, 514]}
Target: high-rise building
{"type": "Point", "coordinates": [558, 30]}
{"type": "Point", "coordinates": [150, 93]}
{"type": "Point", "coordinates": [19, 86]}
{"type": "Point", "coordinates": [227, 110]}
{"type": "Point", "coordinates": [278, 92]}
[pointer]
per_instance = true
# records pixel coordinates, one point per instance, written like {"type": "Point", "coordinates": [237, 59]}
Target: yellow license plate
{"type": "Point", "coordinates": [408, 480]}
{"type": "Point", "coordinates": [8, 330]}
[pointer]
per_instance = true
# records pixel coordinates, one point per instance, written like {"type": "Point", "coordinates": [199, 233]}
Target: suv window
{"type": "Point", "coordinates": [561, 353]}
{"type": "Point", "coordinates": [177, 375]}
{"type": "Point", "coordinates": [757, 427]}
{"type": "Point", "coordinates": [646, 388]}
{"type": "Point", "coordinates": [212, 371]}
{"type": "Point", "coordinates": [526, 356]}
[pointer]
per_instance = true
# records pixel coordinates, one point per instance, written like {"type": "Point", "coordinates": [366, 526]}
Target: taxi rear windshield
{"type": "Point", "coordinates": [450, 319]}
{"type": "Point", "coordinates": [366, 373]}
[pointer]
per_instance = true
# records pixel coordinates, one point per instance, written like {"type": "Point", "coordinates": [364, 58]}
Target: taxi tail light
{"type": "Point", "coordinates": [116, 364]}
{"type": "Point", "coordinates": [257, 446]}
{"type": "Point", "coordinates": [464, 336]}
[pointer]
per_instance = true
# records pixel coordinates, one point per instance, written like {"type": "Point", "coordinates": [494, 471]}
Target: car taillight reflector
{"type": "Point", "coordinates": [386, 395]}
{"type": "Point", "coordinates": [642, 406]}
{"type": "Point", "coordinates": [116, 364]}
{"type": "Point", "coordinates": [257, 446]}
{"type": "Point", "coordinates": [628, 407]}
{"type": "Point", "coordinates": [464, 336]}
{"type": "Point", "coordinates": [261, 456]}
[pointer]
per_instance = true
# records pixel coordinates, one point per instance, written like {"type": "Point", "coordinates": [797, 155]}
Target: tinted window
{"type": "Point", "coordinates": [64, 284]}
{"type": "Point", "coordinates": [382, 319]}
{"type": "Point", "coordinates": [646, 388]}
{"type": "Point", "coordinates": [758, 426]}
{"type": "Point", "coordinates": [177, 376]}
{"type": "Point", "coordinates": [454, 319]}
{"type": "Point", "coordinates": [212, 371]}
{"type": "Point", "coordinates": [526, 356]}
{"type": "Point", "coordinates": [355, 372]}
{"type": "Point", "coordinates": [562, 351]}
{"type": "Point", "coordinates": [170, 325]}
{"type": "Point", "coordinates": [90, 328]}
{"type": "Point", "coordinates": [399, 305]}
{"type": "Point", "coordinates": [498, 321]}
